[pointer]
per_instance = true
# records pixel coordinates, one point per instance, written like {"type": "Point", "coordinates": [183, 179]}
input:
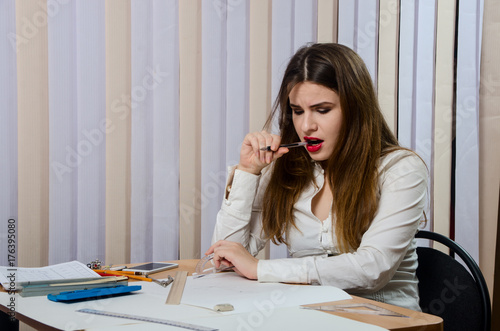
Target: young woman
{"type": "Point", "coordinates": [347, 204]}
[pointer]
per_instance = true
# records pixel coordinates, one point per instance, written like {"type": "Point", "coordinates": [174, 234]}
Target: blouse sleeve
{"type": "Point", "coordinates": [239, 219]}
{"type": "Point", "coordinates": [403, 191]}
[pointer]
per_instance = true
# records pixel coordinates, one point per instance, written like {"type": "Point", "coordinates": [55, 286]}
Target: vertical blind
{"type": "Point", "coordinates": [120, 117]}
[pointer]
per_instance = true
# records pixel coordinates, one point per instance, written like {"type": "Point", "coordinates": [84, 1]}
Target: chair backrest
{"type": "Point", "coordinates": [447, 289]}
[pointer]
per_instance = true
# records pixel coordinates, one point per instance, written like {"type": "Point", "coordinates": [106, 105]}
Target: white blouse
{"type": "Point", "coordinates": [382, 268]}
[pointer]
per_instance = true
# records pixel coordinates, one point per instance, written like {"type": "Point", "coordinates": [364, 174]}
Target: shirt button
{"type": "Point", "coordinates": [228, 203]}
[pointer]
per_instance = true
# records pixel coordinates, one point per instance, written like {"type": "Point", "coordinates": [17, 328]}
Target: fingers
{"type": "Point", "coordinates": [230, 254]}
{"type": "Point", "coordinates": [267, 139]}
{"type": "Point", "coordinates": [280, 152]}
{"type": "Point", "coordinates": [254, 156]}
{"type": "Point", "coordinates": [222, 253]}
{"type": "Point", "coordinates": [260, 140]}
{"type": "Point", "coordinates": [210, 250]}
{"type": "Point", "coordinates": [219, 243]}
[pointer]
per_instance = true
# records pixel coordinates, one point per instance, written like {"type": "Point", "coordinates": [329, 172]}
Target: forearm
{"type": "Point", "coordinates": [366, 270]}
{"type": "Point", "coordinates": [238, 219]}
{"type": "Point", "coordinates": [387, 242]}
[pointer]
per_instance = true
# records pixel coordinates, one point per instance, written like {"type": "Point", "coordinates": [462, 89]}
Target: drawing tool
{"type": "Point", "coordinates": [358, 308]}
{"type": "Point", "coordinates": [123, 273]}
{"type": "Point", "coordinates": [183, 325]}
{"type": "Point", "coordinates": [109, 271]}
{"type": "Point", "coordinates": [136, 275]}
{"type": "Point", "coordinates": [175, 294]}
{"type": "Point", "coordinates": [206, 266]}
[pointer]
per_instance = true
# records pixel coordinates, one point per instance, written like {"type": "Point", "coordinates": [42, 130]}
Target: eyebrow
{"type": "Point", "coordinates": [318, 105]}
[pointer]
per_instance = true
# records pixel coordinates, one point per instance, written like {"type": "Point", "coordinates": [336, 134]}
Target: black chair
{"type": "Point", "coordinates": [8, 324]}
{"type": "Point", "coordinates": [447, 289]}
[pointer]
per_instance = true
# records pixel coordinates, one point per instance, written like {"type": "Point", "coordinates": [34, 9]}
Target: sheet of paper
{"type": "Point", "coordinates": [248, 295]}
{"type": "Point", "coordinates": [68, 270]}
{"type": "Point", "coordinates": [289, 318]}
{"type": "Point", "coordinates": [292, 318]}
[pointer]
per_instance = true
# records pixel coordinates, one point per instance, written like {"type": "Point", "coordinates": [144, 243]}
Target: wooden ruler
{"type": "Point", "coordinates": [359, 308]}
{"type": "Point", "coordinates": [175, 294]}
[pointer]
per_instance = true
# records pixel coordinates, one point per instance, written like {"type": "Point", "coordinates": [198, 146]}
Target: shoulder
{"type": "Point", "coordinates": [402, 163]}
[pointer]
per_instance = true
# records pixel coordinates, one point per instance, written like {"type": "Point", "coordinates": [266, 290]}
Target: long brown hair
{"type": "Point", "coordinates": [352, 168]}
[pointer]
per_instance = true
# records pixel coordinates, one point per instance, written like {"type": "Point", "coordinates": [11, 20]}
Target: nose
{"type": "Point", "coordinates": [309, 123]}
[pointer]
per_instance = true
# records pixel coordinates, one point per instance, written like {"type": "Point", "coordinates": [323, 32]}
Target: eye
{"type": "Point", "coordinates": [324, 110]}
{"type": "Point", "coordinates": [297, 111]}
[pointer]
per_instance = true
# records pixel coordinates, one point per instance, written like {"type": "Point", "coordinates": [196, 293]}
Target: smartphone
{"type": "Point", "coordinates": [150, 268]}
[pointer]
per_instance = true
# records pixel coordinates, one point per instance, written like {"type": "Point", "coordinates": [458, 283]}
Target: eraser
{"type": "Point", "coordinates": [224, 307]}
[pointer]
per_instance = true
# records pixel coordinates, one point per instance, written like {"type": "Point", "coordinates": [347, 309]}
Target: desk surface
{"type": "Point", "coordinates": [416, 321]}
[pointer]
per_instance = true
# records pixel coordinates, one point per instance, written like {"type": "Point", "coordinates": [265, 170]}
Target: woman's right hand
{"type": "Point", "coordinates": [252, 159]}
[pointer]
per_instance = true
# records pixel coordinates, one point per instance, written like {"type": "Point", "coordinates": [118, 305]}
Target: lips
{"type": "Point", "coordinates": [313, 147]}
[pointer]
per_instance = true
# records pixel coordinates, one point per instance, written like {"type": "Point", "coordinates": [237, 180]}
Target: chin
{"type": "Point", "coordinates": [318, 157]}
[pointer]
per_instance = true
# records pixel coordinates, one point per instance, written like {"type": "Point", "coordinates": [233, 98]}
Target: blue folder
{"type": "Point", "coordinates": [94, 293]}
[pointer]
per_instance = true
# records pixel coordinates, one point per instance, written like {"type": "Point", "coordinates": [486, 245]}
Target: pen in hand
{"type": "Point", "coordinates": [292, 145]}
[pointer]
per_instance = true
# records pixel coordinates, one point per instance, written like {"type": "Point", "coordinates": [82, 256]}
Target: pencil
{"type": "Point", "coordinates": [124, 273]}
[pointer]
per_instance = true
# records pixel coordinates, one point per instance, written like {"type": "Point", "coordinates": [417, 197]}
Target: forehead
{"type": "Point", "coordinates": [306, 92]}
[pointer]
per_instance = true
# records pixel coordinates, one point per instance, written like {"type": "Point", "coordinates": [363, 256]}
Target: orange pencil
{"type": "Point", "coordinates": [129, 274]}
{"type": "Point", "coordinates": [122, 272]}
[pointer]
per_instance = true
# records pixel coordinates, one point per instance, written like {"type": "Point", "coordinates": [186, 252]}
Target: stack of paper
{"type": "Point", "coordinates": [56, 286]}
{"type": "Point", "coordinates": [70, 276]}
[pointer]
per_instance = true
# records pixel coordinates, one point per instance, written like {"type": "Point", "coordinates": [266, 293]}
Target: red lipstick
{"type": "Point", "coordinates": [313, 147]}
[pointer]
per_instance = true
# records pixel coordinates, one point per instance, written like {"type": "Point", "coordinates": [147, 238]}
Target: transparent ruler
{"type": "Point", "coordinates": [206, 266]}
{"type": "Point", "coordinates": [147, 319]}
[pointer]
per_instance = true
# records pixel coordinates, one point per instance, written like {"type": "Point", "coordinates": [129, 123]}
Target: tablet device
{"type": "Point", "coordinates": [150, 268]}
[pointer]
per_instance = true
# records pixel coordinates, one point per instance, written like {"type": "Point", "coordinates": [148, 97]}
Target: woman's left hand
{"type": "Point", "coordinates": [234, 254]}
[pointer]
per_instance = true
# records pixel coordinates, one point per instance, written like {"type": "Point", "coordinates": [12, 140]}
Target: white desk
{"type": "Point", "coordinates": [43, 314]}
